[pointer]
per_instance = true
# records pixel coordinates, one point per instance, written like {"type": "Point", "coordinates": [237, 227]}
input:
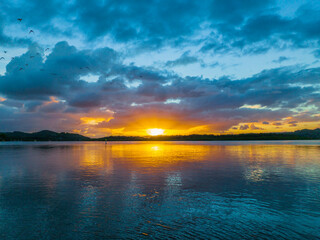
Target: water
{"type": "Point", "coordinates": [160, 190]}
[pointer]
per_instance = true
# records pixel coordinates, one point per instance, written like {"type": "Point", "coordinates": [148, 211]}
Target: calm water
{"type": "Point", "coordinates": [160, 190]}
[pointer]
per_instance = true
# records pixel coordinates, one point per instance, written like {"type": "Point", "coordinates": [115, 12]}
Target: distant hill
{"type": "Point", "coordinates": [47, 135]}
{"type": "Point", "coordinates": [297, 135]}
{"type": "Point", "coordinates": [44, 135]}
{"type": "Point", "coordinates": [313, 134]}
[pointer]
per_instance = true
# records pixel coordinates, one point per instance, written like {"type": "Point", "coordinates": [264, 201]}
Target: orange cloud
{"type": "Point", "coordinates": [92, 120]}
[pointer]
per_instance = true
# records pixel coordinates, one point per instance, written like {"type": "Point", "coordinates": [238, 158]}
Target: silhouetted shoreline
{"type": "Point", "coordinates": [47, 135]}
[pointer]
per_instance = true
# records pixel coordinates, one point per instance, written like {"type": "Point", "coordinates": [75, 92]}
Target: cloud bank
{"type": "Point", "coordinates": [121, 67]}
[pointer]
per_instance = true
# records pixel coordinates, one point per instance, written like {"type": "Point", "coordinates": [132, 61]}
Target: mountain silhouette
{"type": "Point", "coordinates": [47, 135]}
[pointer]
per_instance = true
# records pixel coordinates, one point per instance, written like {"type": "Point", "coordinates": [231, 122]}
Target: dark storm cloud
{"type": "Point", "coordinates": [148, 21]}
{"type": "Point", "coordinates": [28, 76]}
{"type": "Point", "coordinates": [252, 26]}
{"type": "Point", "coordinates": [86, 100]}
{"type": "Point", "coordinates": [258, 31]}
{"type": "Point", "coordinates": [31, 106]}
{"type": "Point", "coordinates": [60, 90]}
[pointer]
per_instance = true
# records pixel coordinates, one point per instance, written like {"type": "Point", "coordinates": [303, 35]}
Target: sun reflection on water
{"type": "Point", "coordinates": [155, 148]}
{"type": "Point", "coordinates": [154, 187]}
{"type": "Point", "coordinates": [166, 155]}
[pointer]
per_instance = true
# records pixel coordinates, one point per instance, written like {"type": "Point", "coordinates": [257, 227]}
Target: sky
{"type": "Point", "coordinates": [123, 67]}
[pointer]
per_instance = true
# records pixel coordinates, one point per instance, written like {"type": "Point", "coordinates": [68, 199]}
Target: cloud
{"type": "Point", "coordinates": [29, 76]}
{"type": "Point", "coordinates": [253, 127]}
{"type": "Point", "coordinates": [293, 123]}
{"type": "Point", "coordinates": [280, 59]}
{"type": "Point", "coordinates": [184, 59]}
{"type": "Point", "coordinates": [117, 43]}
{"type": "Point", "coordinates": [316, 53]}
{"type": "Point", "coordinates": [251, 26]}
{"type": "Point", "coordinates": [215, 103]}
{"type": "Point", "coordinates": [244, 127]}
{"type": "Point", "coordinates": [249, 127]}
{"type": "Point", "coordinates": [278, 32]}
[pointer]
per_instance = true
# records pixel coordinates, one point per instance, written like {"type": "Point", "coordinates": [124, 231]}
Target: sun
{"type": "Point", "coordinates": [155, 131]}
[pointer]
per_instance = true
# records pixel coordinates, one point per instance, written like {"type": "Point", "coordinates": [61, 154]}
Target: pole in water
{"type": "Point", "coordinates": [105, 141]}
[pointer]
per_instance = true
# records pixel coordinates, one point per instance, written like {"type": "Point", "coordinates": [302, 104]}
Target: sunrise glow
{"type": "Point", "coordinates": [155, 131]}
{"type": "Point", "coordinates": [160, 119]}
{"type": "Point", "coordinates": [92, 121]}
{"type": "Point", "coordinates": [208, 68]}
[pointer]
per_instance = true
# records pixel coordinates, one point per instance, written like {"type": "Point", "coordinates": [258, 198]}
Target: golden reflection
{"type": "Point", "coordinates": [97, 157]}
{"type": "Point", "coordinates": [155, 148]}
{"type": "Point", "coordinates": [255, 160]}
{"type": "Point", "coordinates": [148, 155]}
{"type": "Point", "coordinates": [91, 158]}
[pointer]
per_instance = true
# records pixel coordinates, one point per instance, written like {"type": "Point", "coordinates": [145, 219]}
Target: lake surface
{"type": "Point", "coordinates": [160, 190]}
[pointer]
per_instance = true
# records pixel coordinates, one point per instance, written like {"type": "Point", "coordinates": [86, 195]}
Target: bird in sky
{"type": "Point", "coordinates": [2, 58]}
{"type": "Point", "coordinates": [31, 31]}
{"type": "Point", "coordinates": [19, 19]}
{"type": "Point", "coordinates": [31, 56]}
{"type": "Point", "coordinates": [46, 49]}
{"type": "Point", "coordinates": [20, 69]}
{"type": "Point", "coordinates": [5, 51]}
